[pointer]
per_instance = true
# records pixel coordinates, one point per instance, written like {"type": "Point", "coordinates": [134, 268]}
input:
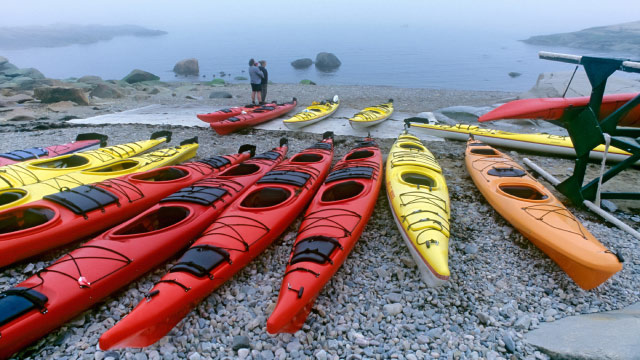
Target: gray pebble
{"type": "Point", "coordinates": [241, 341]}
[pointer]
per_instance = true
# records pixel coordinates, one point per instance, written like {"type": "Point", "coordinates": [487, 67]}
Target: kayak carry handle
{"type": "Point", "coordinates": [193, 140]}
{"type": "Point", "coordinates": [284, 141]}
{"type": "Point", "coordinates": [327, 135]}
{"type": "Point", "coordinates": [625, 65]}
{"type": "Point", "coordinates": [93, 136]}
{"type": "Point", "coordinates": [163, 133]}
{"type": "Point", "coordinates": [247, 147]}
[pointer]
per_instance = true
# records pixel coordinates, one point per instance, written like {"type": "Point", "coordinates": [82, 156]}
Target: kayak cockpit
{"type": "Point", "coordinates": [24, 218]}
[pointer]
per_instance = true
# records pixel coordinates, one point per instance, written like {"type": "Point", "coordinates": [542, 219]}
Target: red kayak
{"type": "Point", "coordinates": [227, 113]}
{"type": "Point", "coordinates": [554, 108]}
{"type": "Point", "coordinates": [256, 116]}
{"type": "Point", "coordinates": [331, 226]}
{"type": "Point", "coordinates": [82, 142]}
{"type": "Point", "coordinates": [241, 233]}
{"type": "Point", "coordinates": [74, 213]}
{"type": "Point", "coordinates": [104, 264]}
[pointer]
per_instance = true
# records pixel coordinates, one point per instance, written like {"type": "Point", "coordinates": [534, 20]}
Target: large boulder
{"type": "Point", "coordinates": [327, 61]}
{"type": "Point", "coordinates": [187, 67]}
{"type": "Point", "coordinates": [27, 72]}
{"type": "Point", "coordinates": [55, 94]}
{"type": "Point", "coordinates": [5, 65]}
{"type": "Point", "coordinates": [138, 75]}
{"type": "Point", "coordinates": [106, 91]}
{"type": "Point", "coordinates": [90, 79]}
{"type": "Point", "coordinates": [302, 63]}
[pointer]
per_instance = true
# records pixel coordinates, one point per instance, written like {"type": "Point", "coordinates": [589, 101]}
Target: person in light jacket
{"type": "Point", "coordinates": [256, 77]}
{"type": "Point", "coordinates": [265, 79]}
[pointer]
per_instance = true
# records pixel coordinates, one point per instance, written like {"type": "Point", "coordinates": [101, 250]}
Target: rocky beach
{"type": "Point", "coordinates": [375, 307]}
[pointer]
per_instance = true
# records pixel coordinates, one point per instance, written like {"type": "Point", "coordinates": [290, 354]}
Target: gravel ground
{"type": "Point", "coordinates": [375, 306]}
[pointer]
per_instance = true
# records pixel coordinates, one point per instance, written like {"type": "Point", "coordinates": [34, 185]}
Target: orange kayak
{"type": "Point", "coordinates": [539, 216]}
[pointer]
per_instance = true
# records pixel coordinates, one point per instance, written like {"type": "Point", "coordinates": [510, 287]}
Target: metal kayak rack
{"type": "Point", "coordinates": [587, 131]}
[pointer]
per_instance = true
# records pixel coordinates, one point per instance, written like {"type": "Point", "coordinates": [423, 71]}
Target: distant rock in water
{"type": "Point", "coordinates": [187, 67]}
{"type": "Point", "coordinates": [139, 75]}
{"type": "Point", "coordinates": [90, 79]}
{"type": "Point", "coordinates": [514, 74]}
{"type": "Point", "coordinates": [302, 63]}
{"type": "Point", "coordinates": [55, 94]}
{"type": "Point", "coordinates": [23, 37]}
{"type": "Point", "coordinates": [327, 61]}
{"type": "Point", "coordinates": [622, 38]}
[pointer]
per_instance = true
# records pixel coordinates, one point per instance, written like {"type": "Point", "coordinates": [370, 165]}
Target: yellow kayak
{"type": "Point", "coordinates": [372, 115]}
{"type": "Point", "coordinates": [537, 142]}
{"type": "Point", "coordinates": [312, 114]}
{"type": "Point", "coordinates": [163, 157]}
{"type": "Point", "coordinates": [419, 201]}
{"type": "Point", "coordinates": [35, 171]}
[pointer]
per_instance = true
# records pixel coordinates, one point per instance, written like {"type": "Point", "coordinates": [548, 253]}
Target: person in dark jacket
{"type": "Point", "coordinates": [265, 80]}
{"type": "Point", "coordinates": [255, 76]}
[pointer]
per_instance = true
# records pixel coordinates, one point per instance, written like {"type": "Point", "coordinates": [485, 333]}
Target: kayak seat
{"type": "Point", "coordinates": [506, 172]}
{"type": "Point", "coordinates": [22, 155]}
{"type": "Point", "coordinates": [84, 198]}
{"type": "Point", "coordinates": [343, 190]}
{"type": "Point", "coordinates": [64, 163]}
{"type": "Point", "coordinates": [295, 178]}
{"type": "Point", "coordinates": [240, 170]}
{"type": "Point", "coordinates": [320, 145]}
{"type": "Point", "coordinates": [360, 154]}
{"type": "Point", "coordinates": [484, 152]}
{"type": "Point", "coordinates": [363, 172]}
{"type": "Point", "coordinates": [418, 179]}
{"type": "Point", "coordinates": [21, 219]}
{"type": "Point", "coordinates": [8, 197]}
{"type": "Point", "coordinates": [523, 192]}
{"type": "Point", "coordinates": [306, 158]}
{"type": "Point", "coordinates": [317, 249]}
{"type": "Point", "coordinates": [162, 174]}
{"type": "Point", "coordinates": [269, 155]}
{"type": "Point", "coordinates": [266, 197]}
{"type": "Point", "coordinates": [225, 110]}
{"type": "Point", "coordinates": [216, 161]}
{"type": "Point", "coordinates": [264, 108]}
{"type": "Point", "coordinates": [232, 119]}
{"type": "Point", "coordinates": [202, 195]}
{"type": "Point", "coordinates": [18, 301]}
{"type": "Point", "coordinates": [201, 259]}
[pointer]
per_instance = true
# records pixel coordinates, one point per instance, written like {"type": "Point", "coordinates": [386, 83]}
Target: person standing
{"type": "Point", "coordinates": [255, 76]}
{"type": "Point", "coordinates": [265, 80]}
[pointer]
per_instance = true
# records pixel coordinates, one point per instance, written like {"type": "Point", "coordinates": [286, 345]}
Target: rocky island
{"type": "Point", "coordinates": [23, 37]}
{"type": "Point", "coordinates": [620, 38]}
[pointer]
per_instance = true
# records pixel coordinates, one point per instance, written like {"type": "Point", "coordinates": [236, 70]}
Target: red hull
{"type": "Point", "coordinates": [102, 265]}
{"type": "Point", "coordinates": [240, 234]}
{"type": "Point", "coordinates": [331, 226]}
{"type": "Point", "coordinates": [257, 116]}
{"type": "Point", "coordinates": [226, 113]}
{"type": "Point", "coordinates": [83, 141]}
{"type": "Point", "coordinates": [57, 223]}
{"type": "Point", "coordinates": [554, 108]}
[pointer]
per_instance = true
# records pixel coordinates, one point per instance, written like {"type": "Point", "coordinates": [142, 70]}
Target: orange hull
{"type": "Point", "coordinates": [539, 216]}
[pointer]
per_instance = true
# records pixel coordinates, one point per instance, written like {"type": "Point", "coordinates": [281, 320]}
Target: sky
{"type": "Point", "coordinates": [527, 17]}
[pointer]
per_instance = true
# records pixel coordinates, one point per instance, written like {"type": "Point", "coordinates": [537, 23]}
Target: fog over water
{"type": "Point", "coordinates": [462, 44]}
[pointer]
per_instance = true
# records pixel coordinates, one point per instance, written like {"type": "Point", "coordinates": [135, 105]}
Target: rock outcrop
{"type": "Point", "coordinates": [327, 61]}
{"type": "Point", "coordinates": [187, 67]}
{"type": "Point", "coordinates": [56, 94]}
{"type": "Point", "coordinates": [106, 91]}
{"type": "Point", "coordinates": [302, 63]}
{"type": "Point", "coordinates": [621, 38]}
{"type": "Point", "coordinates": [138, 75]}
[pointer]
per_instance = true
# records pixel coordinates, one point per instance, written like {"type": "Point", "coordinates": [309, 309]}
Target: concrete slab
{"type": "Point", "coordinates": [606, 335]}
{"type": "Point", "coordinates": [186, 116]}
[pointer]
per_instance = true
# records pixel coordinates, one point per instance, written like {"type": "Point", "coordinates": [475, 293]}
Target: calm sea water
{"type": "Point", "coordinates": [402, 56]}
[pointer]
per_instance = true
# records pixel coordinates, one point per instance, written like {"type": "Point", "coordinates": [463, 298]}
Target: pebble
{"type": "Point", "coordinates": [471, 249]}
{"type": "Point", "coordinates": [294, 346]}
{"type": "Point", "coordinates": [393, 309]}
{"type": "Point", "coordinates": [243, 353]}
{"type": "Point", "coordinates": [241, 341]}
{"type": "Point", "coordinates": [508, 343]}
{"type": "Point", "coordinates": [321, 355]}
